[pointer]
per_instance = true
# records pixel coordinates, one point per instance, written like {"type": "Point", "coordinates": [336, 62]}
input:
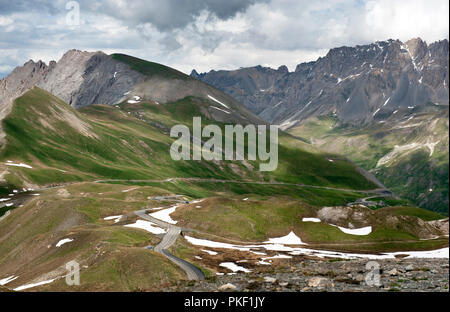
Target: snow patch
{"type": "Point", "coordinates": [276, 105]}
{"type": "Point", "coordinates": [7, 280]}
{"type": "Point", "coordinates": [290, 239]}
{"type": "Point", "coordinates": [164, 214]}
{"type": "Point", "coordinates": [210, 252]}
{"type": "Point", "coordinates": [64, 241]}
{"type": "Point", "coordinates": [217, 101]}
{"type": "Point", "coordinates": [361, 231]}
{"type": "Point", "coordinates": [234, 267]}
{"type": "Point", "coordinates": [18, 165]}
{"type": "Point", "coordinates": [213, 244]}
{"type": "Point", "coordinates": [131, 189]}
{"type": "Point", "coordinates": [439, 253]}
{"type": "Point", "coordinates": [115, 218]}
{"type": "Point", "coordinates": [311, 220]}
{"type": "Point", "coordinates": [148, 226]}
{"type": "Point", "coordinates": [222, 110]}
{"type": "Point", "coordinates": [33, 285]}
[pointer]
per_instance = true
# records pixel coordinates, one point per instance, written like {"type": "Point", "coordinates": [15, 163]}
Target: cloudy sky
{"type": "Point", "coordinates": [210, 34]}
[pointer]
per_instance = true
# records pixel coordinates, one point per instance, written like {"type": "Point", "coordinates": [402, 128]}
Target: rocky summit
{"type": "Point", "coordinates": [409, 275]}
{"type": "Point", "coordinates": [358, 84]}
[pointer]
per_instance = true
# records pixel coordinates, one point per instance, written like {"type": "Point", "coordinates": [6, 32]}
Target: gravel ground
{"type": "Point", "coordinates": [424, 275]}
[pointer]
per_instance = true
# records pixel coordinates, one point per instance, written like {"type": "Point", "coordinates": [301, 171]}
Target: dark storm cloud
{"type": "Point", "coordinates": [211, 34]}
{"type": "Point", "coordinates": [163, 14]}
{"type": "Point", "coordinates": [168, 14]}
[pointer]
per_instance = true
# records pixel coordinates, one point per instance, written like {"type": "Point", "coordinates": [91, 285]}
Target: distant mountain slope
{"type": "Point", "coordinates": [358, 84]}
{"type": "Point", "coordinates": [382, 105]}
{"type": "Point", "coordinates": [131, 141]}
{"type": "Point", "coordinates": [85, 78]}
{"type": "Point", "coordinates": [408, 152]}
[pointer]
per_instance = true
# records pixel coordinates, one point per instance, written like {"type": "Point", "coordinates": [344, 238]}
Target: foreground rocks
{"type": "Point", "coordinates": [424, 275]}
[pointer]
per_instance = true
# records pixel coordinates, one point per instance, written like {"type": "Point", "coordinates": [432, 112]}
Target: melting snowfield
{"type": "Point", "coordinates": [295, 251]}
{"type": "Point", "coordinates": [290, 239]}
{"type": "Point", "coordinates": [361, 231]}
{"type": "Point", "coordinates": [10, 163]}
{"type": "Point", "coordinates": [148, 226]}
{"type": "Point", "coordinates": [7, 280]}
{"type": "Point", "coordinates": [164, 214]}
{"type": "Point", "coordinates": [64, 241]}
{"type": "Point", "coordinates": [222, 110]}
{"type": "Point", "coordinates": [217, 101]}
{"type": "Point", "coordinates": [33, 285]}
{"type": "Point", "coordinates": [115, 218]}
{"type": "Point", "coordinates": [311, 220]}
{"type": "Point", "coordinates": [234, 267]}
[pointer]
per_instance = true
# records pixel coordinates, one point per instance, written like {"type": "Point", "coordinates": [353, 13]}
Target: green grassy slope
{"type": "Point", "coordinates": [111, 256]}
{"type": "Point", "coordinates": [131, 141]}
{"type": "Point", "coordinates": [412, 170]}
{"type": "Point", "coordinates": [150, 68]}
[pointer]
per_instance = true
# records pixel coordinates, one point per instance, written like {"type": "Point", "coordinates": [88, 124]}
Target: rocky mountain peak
{"type": "Point", "coordinates": [358, 84]}
{"type": "Point", "coordinates": [194, 74]}
{"type": "Point", "coordinates": [283, 69]}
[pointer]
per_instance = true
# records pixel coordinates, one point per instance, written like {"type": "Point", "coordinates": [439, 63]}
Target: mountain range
{"type": "Point", "coordinates": [383, 105]}
{"type": "Point", "coordinates": [358, 84]}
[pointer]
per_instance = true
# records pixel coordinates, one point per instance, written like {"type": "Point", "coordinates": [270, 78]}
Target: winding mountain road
{"type": "Point", "coordinates": [192, 272]}
{"type": "Point", "coordinates": [380, 190]}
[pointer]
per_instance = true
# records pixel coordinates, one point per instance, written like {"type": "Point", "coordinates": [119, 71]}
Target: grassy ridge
{"type": "Point", "coordinates": [150, 68]}
{"type": "Point", "coordinates": [132, 142]}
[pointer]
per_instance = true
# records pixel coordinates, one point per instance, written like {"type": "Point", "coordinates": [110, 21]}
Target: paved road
{"type": "Point", "coordinates": [212, 180]}
{"type": "Point", "coordinates": [192, 272]}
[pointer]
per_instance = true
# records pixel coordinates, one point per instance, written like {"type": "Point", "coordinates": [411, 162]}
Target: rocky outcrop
{"type": "Point", "coordinates": [18, 82]}
{"type": "Point", "coordinates": [358, 216]}
{"type": "Point", "coordinates": [315, 275]}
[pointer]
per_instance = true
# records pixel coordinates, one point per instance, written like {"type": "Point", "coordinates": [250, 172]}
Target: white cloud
{"type": "Point", "coordinates": [406, 19]}
{"type": "Point", "coordinates": [5, 21]}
